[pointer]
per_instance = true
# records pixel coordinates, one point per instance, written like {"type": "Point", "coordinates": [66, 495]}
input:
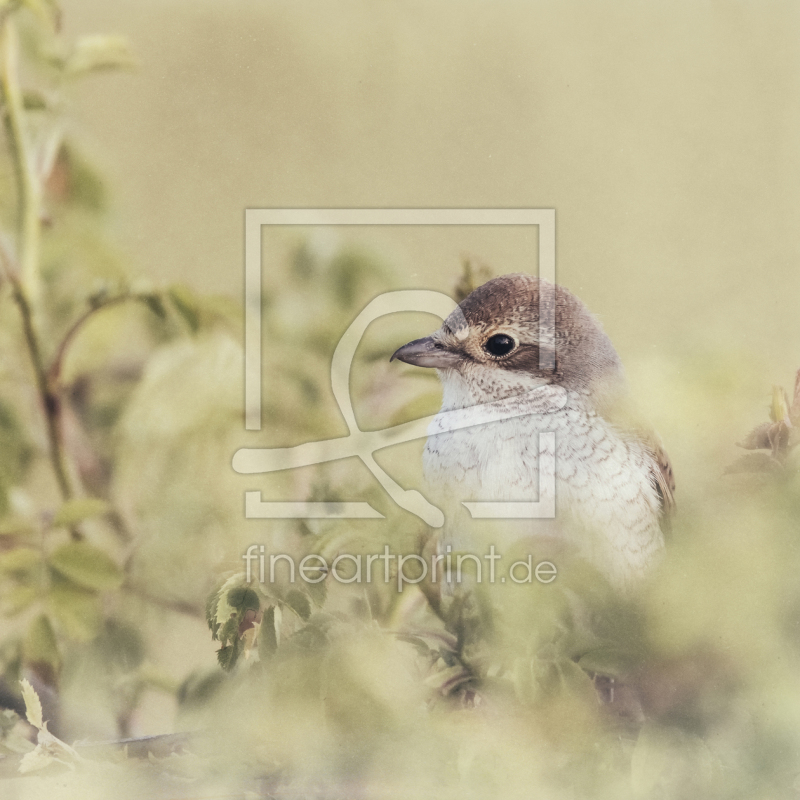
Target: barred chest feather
{"type": "Point", "coordinates": [603, 476]}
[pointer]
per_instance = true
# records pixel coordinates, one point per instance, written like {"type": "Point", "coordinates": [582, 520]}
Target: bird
{"type": "Point", "coordinates": [614, 483]}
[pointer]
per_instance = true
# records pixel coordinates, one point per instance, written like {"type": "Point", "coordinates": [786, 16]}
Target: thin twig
{"type": "Point", "coordinates": [29, 191]}
{"type": "Point", "coordinates": [23, 271]}
{"type": "Point", "coordinates": [54, 373]}
{"type": "Point", "coordinates": [51, 403]}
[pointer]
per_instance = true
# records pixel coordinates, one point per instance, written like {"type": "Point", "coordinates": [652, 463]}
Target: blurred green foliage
{"type": "Point", "coordinates": [686, 689]}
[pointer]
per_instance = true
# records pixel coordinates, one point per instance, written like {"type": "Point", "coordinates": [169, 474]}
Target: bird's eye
{"type": "Point", "coordinates": [499, 345]}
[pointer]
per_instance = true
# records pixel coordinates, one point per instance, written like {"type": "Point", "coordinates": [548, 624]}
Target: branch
{"type": "Point", "coordinates": [24, 275]}
{"type": "Point", "coordinates": [51, 403]}
{"type": "Point", "coordinates": [29, 193]}
{"type": "Point", "coordinates": [54, 373]}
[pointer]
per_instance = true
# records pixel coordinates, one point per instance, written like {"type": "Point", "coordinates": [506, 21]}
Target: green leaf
{"type": "Point", "coordinates": [33, 706]}
{"type": "Point", "coordinates": [122, 646]}
{"type": "Point", "coordinates": [99, 53]}
{"type": "Point", "coordinates": [242, 597]}
{"type": "Point", "coordinates": [20, 562]}
{"type": "Point", "coordinates": [19, 598]}
{"type": "Point", "coordinates": [33, 100]}
{"type": "Point", "coordinates": [155, 303]}
{"type": "Point", "coordinates": [17, 526]}
{"type": "Point", "coordinates": [199, 688]}
{"type": "Point", "coordinates": [86, 565]}
{"type": "Point", "coordinates": [212, 603]}
{"type": "Point", "coordinates": [75, 511]}
{"type": "Point", "coordinates": [39, 646]}
{"type": "Point", "coordinates": [228, 656]}
{"type": "Point", "coordinates": [299, 603]}
{"type": "Point", "coordinates": [84, 188]}
{"type": "Point", "coordinates": [185, 302]}
{"type": "Point", "coordinates": [76, 610]}
{"type": "Point", "coordinates": [229, 632]}
{"type": "Point", "coordinates": [48, 11]}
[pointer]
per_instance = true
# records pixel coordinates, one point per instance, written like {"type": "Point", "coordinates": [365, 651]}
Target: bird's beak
{"type": "Point", "coordinates": [426, 352]}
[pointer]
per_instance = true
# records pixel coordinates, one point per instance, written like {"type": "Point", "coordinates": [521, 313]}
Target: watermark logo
{"type": "Point", "coordinates": [364, 443]}
{"type": "Point", "coordinates": [446, 566]}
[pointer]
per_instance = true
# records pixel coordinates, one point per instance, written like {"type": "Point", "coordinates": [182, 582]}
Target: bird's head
{"type": "Point", "coordinates": [489, 347]}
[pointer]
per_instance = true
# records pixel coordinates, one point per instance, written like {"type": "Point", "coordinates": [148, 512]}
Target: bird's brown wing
{"type": "Point", "coordinates": [625, 416]}
{"type": "Point", "coordinates": [664, 481]}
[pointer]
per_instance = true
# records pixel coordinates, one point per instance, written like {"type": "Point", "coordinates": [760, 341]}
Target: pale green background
{"type": "Point", "coordinates": [665, 135]}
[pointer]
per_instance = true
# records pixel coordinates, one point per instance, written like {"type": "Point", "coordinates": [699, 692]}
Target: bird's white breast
{"type": "Point", "coordinates": [602, 476]}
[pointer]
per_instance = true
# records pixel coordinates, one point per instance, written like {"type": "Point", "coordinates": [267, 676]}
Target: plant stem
{"type": "Point", "coordinates": [23, 272]}
{"type": "Point", "coordinates": [56, 367]}
{"type": "Point", "coordinates": [29, 200]}
{"type": "Point", "coordinates": [50, 400]}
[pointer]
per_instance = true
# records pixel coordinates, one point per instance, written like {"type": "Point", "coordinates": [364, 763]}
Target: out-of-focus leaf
{"type": "Point", "coordinates": [33, 100]}
{"type": "Point", "coordinates": [17, 526]}
{"type": "Point", "coordinates": [758, 438]}
{"type": "Point", "coordinates": [794, 411]}
{"type": "Point", "coordinates": [20, 562]}
{"type": "Point", "coordinates": [19, 598]}
{"type": "Point", "coordinates": [155, 303]}
{"type": "Point", "coordinates": [86, 565]}
{"type": "Point", "coordinates": [779, 407]}
{"type": "Point", "coordinates": [122, 646]}
{"type": "Point", "coordinates": [48, 11]}
{"type": "Point", "coordinates": [99, 53]}
{"type": "Point", "coordinates": [76, 610]}
{"type": "Point", "coordinates": [186, 305]}
{"type": "Point", "coordinates": [39, 645]}
{"type": "Point", "coordinates": [15, 452]}
{"type": "Point", "coordinates": [608, 661]}
{"type": "Point", "coordinates": [434, 641]}
{"type": "Point", "coordinates": [269, 635]}
{"type": "Point", "coordinates": [299, 603]}
{"type": "Point", "coordinates": [754, 462]}
{"type": "Point", "coordinates": [37, 759]}
{"type": "Point", "coordinates": [199, 688]}
{"type": "Point", "coordinates": [348, 273]}
{"type": "Point", "coordinates": [73, 181]}
{"type": "Point", "coordinates": [79, 509]}
{"type": "Point", "coordinates": [779, 437]}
